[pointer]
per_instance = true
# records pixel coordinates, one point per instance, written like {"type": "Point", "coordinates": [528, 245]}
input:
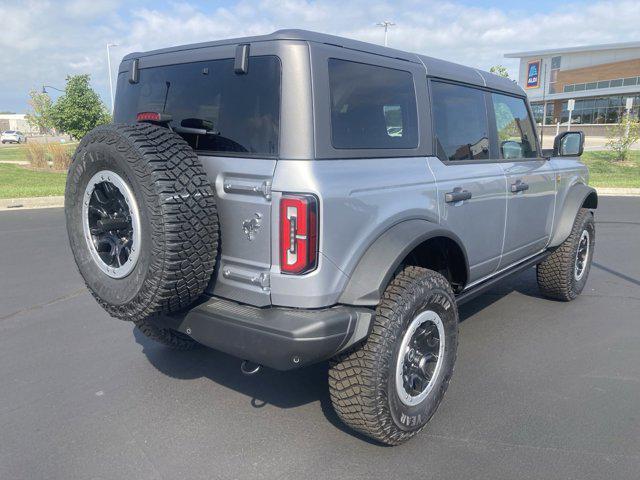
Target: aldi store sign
{"type": "Point", "coordinates": [533, 74]}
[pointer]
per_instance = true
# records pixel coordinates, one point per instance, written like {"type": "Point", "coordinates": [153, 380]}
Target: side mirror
{"type": "Point", "coordinates": [568, 144]}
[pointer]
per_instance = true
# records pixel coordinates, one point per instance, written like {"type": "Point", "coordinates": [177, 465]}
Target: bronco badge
{"type": "Point", "coordinates": [251, 226]}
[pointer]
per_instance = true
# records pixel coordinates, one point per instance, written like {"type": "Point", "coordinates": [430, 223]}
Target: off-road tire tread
{"type": "Point", "coordinates": [181, 206]}
{"type": "Point", "coordinates": [555, 273]}
{"type": "Point", "coordinates": [357, 377]}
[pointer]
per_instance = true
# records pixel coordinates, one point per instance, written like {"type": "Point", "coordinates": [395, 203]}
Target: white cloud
{"type": "Point", "coordinates": [45, 40]}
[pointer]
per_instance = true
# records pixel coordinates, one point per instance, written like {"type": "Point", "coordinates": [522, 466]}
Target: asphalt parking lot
{"type": "Point", "coordinates": [542, 389]}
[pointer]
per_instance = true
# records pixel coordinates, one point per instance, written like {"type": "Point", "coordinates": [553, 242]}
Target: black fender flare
{"type": "Point", "coordinates": [579, 195]}
{"type": "Point", "coordinates": [384, 255]}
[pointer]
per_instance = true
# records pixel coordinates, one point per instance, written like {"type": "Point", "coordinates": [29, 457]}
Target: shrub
{"type": "Point", "coordinates": [37, 154]}
{"type": "Point", "coordinates": [60, 156]}
{"type": "Point", "coordinates": [622, 135]}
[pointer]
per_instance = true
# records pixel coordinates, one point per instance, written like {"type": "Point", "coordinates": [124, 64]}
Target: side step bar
{"type": "Point", "coordinates": [480, 288]}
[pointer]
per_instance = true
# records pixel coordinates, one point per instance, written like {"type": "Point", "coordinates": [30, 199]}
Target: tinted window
{"type": "Point", "coordinates": [460, 118]}
{"type": "Point", "coordinates": [241, 113]}
{"type": "Point", "coordinates": [371, 106]}
{"type": "Point", "coordinates": [516, 136]}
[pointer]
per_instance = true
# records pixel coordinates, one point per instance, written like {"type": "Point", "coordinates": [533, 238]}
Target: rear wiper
{"type": "Point", "coordinates": [196, 126]}
{"type": "Point", "coordinates": [194, 131]}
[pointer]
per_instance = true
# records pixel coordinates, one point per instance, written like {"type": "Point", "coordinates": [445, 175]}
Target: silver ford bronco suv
{"type": "Point", "coordinates": [298, 197]}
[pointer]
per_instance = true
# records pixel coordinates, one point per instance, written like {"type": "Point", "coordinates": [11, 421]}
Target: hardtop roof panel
{"type": "Point", "coordinates": [434, 66]}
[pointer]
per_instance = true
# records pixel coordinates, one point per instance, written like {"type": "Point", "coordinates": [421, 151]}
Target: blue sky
{"type": "Point", "coordinates": [43, 41]}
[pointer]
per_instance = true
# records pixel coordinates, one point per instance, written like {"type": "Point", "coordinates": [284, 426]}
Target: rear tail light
{"type": "Point", "coordinates": [153, 117]}
{"type": "Point", "coordinates": [298, 233]}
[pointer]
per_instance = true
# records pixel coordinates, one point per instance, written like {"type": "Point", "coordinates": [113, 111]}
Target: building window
{"type": "Point", "coordinates": [553, 74]}
{"type": "Point", "coordinates": [618, 82]}
{"type": "Point", "coordinates": [537, 109]}
{"type": "Point", "coordinates": [598, 110]}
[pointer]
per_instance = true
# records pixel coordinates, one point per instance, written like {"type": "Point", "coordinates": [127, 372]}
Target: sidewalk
{"type": "Point", "coordinates": [33, 202]}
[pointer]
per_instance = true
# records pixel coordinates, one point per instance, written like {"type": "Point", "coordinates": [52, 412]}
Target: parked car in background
{"type": "Point", "coordinates": [13, 136]}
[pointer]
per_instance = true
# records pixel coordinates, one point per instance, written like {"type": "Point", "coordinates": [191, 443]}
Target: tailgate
{"type": "Point", "coordinates": [243, 195]}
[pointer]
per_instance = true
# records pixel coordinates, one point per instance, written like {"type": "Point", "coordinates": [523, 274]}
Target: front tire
{"type": "Point", "coordinates": [389, 387]}
{"type": "Point", "coordinates": [563, 274]}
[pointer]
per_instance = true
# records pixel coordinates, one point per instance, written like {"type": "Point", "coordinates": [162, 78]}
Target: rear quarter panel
{"type": "Point", "coordinates": [359, 200]}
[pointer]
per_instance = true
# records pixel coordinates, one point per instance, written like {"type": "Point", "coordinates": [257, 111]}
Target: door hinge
{"type": "Point", "coordinates": [263, 279]}
{"type": "Point", "coordinates": [238, 186]}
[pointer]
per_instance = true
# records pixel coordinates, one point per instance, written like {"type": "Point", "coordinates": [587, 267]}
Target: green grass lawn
{"type": "Point", "coordinates": [13, 154]}
{"type": "Point", "coordinates": [18, 182]}
{"type": "Point", "coordinates": [17, 153]}
{"type": "Point", "coordinates": [606, 173]}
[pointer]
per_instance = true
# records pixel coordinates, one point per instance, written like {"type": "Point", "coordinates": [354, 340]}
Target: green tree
{"type": "Point", "coordinates": [80, 109]}
{"type": "Point", "coordinates": [622, 135]}
{"type": "Point", "coordinates": [499, 70]}
{"type": "Point", "coordinates": [40, 115]}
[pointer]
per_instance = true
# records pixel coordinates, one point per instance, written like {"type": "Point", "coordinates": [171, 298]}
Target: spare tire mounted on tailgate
{"type": "Point", "coordinates": [142, 220]}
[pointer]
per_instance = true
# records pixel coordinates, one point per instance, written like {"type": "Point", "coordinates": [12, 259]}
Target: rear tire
{"type": "Point", "coordinates": [373, 387]}
{"type": "Point", "coordinates": [563, 274]}
{"type": "Point", "coordinates": [142, 220]}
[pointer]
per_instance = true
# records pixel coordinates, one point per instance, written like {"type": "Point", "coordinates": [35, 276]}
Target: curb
{"type": "Point", "coordinates": [33, 202]}
{"type": "Point", "coordinates": [618, 192]}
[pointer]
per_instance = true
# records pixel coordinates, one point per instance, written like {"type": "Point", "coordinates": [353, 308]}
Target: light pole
{"type": "Point", "coordinates": [385, 24]}
{"type": "Point", "coordinates": [44, 89]}
{"type": "Point", "coordinates": [109, 45]}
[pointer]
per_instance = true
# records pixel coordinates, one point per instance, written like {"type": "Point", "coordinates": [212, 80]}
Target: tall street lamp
{"type": "Point", "coordinates": [386, 24]}
{"type": "Point", "coordinates": [109, 45]}
{"type": "Point", "coordinates": [44, 88]}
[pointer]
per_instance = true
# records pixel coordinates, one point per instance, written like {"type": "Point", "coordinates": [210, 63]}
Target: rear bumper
{"type": "Point", "coordinates": [280, 338]}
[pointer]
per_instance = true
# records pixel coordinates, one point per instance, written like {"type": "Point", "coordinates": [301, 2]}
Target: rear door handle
{"type": "Point", "coordinates": [458, 195]}
{"type": "Point", "coordinates": [519, 186]}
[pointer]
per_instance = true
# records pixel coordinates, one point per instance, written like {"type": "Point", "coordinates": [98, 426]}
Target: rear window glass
{"type": "Point", "coordinates": [460, 119]}
{"type": "Point", "coordinates": [240, 113]}
{"type": "Point", "coordinates": [371, 106]}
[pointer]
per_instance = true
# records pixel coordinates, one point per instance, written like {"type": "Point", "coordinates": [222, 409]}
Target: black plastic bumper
{"type": "Point", "coordinates": [280, 338]}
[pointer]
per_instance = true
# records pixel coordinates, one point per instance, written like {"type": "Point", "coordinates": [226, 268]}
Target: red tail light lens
{"type": "Point", "coordinates": [298, 233]}
{"type": "Point", "coordinates": [153, 117]}
{"type": "Point", "coordinates": [148, 117]}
